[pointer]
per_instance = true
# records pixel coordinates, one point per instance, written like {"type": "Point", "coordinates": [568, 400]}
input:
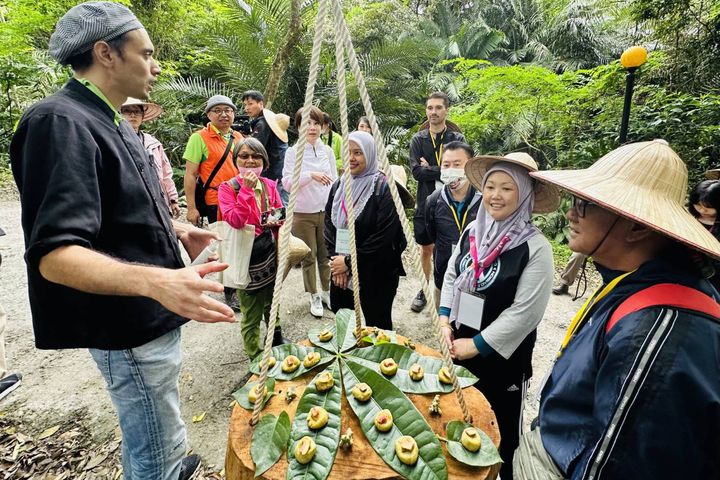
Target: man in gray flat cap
{"type": "Point", "coordinates": [104, 266]}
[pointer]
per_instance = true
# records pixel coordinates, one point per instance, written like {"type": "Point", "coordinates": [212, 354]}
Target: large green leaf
{"type": "Point", "coordinates": [405, 358]}
{"type": "Point", "coordinates": [326, 439]}
{"type": "Point", "coordinates": [242, 395]}
{"type": "Point", "coordinates": [407, 421]}
{"type": "Point", "coordinates": [486, 456]}
{"type": "Point", "coordinates": [342, 333]}
{"type": "Point", "coordinates": [269, 441]}
{"type": "Point", "coordinates": [283, 351]}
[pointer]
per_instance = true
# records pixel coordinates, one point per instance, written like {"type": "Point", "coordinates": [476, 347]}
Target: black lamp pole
{"type": "Point", "coordinates": [630, 81]}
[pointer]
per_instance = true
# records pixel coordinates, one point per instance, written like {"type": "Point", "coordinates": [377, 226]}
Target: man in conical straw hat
{"type": "Point", "coordinates": [635, 390]}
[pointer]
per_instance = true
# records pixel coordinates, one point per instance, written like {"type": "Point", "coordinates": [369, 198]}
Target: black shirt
{"type": "Point", "coordinates": [421, 145]}
{"type": "Point", "coordinates": [85, 181]}
{"type": "Point", "coordinates": [273, 145]}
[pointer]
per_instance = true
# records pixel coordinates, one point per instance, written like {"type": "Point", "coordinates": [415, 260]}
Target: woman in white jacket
{"type": "Point", "coordinates": [317, 176]}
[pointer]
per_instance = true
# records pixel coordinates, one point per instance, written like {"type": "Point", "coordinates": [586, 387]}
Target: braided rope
{"type": "Point", "coordinates": [414, 249]}
{"type": "Point", "coordinates": [284, 237]}
{"type": "Point", "coordinates": [347, 178]}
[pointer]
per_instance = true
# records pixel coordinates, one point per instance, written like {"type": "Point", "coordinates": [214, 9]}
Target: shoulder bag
{"type": "Point", "coordinates": [201, 188]}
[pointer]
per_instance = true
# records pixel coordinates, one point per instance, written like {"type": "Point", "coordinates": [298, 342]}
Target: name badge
{"type": "Point", "coordinates": [342, 241]}
{"type": "Point", "coordinates": [470, 310]}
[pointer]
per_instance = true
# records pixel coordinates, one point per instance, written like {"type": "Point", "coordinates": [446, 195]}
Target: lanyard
{"type": "Point", "coordinates": [264, 201]}
{"type": "Point", "coordinates": [481, 265]}
{"type": "Point", "coordinates": [579, 318]}
{"type": "Point", "coordinates": [342, 205]}
{"type": "Point", "coordinates": [461, 227]}
{"type": "Point", "coordinates": [438, 151]}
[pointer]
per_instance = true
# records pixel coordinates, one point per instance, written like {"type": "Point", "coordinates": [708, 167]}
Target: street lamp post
{"type": "Point", "coordinates": [631, 59]}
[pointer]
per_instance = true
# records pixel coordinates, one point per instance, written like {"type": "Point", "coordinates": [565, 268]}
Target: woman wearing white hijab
{"type": "Point", "coordinates": [497, 286]}
{"type": "Point", "coordinates": [378, 235]}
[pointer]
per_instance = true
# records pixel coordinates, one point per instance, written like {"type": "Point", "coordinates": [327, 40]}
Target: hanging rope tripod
{"type": "Point", "coordinates": [343, 44]}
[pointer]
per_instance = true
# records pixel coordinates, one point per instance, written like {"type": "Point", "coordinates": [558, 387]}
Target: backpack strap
{"type": "Point", "coordinates": [666, 294]}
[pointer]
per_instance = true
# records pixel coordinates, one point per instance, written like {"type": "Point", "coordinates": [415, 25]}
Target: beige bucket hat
{"type": "Point", "coordinates": [400, 177]}
{"type": "Point", "coordinates": [547, 197]}
{"type": "Point", "coordinates": [278, 122]}
{"type": "Point", "coordinates": [713, 174]}
{"type": "Point", "coordinates": [150, 110]}
{"type": "Point", "coordinates": [645, 182]}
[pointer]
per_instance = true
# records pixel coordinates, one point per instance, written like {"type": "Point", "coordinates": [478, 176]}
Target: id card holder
{"type": "Point", "coordinates": [470, 309]}
{"type": "Point", "coordinates": [342, 241]}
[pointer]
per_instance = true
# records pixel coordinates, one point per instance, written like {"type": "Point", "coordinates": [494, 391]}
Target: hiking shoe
{"type": "Point", "coordinates": [418, 302]}
{"type": "Point", "coordinates": [325, 297]}
{"type": "Point", "coordinates": [278, 338]}
{"type": "Point", "coordinates": [9, 383]}
{"type": "Point", "coordinates": [560, 289]}
{"type": "Point", "coordinates": [316, 308]}
{"type": "Point", "coordinates": [189, 467]}
{"type": "Point", "coordinates": [231, 299]}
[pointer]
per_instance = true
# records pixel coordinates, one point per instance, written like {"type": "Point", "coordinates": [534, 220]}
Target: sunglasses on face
{"type": "Point", "coordinates": [580, 205]}
{"type": "Point", "coordinates": [254, 156]}
{"type": "Point", "coordinates": [132, 113]}
{"type": "Point", "coordinates": [220, 111]}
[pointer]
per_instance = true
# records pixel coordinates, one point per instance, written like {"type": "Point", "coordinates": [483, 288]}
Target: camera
{"type": "Point", "coordinates": [243, 124]}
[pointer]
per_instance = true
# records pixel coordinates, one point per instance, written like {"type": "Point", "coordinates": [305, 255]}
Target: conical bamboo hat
{"type": "Point", "coordinates": [645, 182]}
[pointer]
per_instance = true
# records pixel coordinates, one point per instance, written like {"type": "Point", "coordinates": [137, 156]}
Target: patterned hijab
{"type": "Point", "coordinates": [362, 184]}
{"type": "Point", "coordinates": [489, 237]}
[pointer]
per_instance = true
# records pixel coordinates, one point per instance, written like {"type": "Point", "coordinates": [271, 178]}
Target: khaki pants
{"type": "Point", "coordinates": [310, 228]}
{"type": "Point", "coordinates": [3, 360]}
{"type": "Point", "coordinates": [531, 461]}
{"type": "Point", "coordinates": [572, 268]}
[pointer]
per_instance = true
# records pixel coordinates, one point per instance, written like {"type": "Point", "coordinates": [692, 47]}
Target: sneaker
{"type": "Point", "coordinates": [418, 302]}
{"type": "Point", "coordinates": [316, 308]}
{"type": "Point", "coordinates": [9, 383]}
{"type": "Point", "coordinates": [560, 289]}
{"type": "Point", "coordinates": [325, 297]}
{"type": "Point", "coordinates": [189, 467]}
{"type": "Point", "coordinates": [232, 301]}
{"type": "Point", "coordinates": [278, 338]}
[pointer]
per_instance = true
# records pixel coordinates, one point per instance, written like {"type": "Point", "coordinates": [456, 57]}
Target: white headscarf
{"type": "Point", "coordinates": [362, 184]}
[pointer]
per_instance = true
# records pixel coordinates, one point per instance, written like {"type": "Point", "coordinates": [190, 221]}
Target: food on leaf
{"type": "Point", "coordinates": [407, 450]}
{"type": "Point", "coordinates": [252, 394]}
{"type": "Point", "coordinates": [444, 376]}
{"type": "Point", "coordinates": [382, 337]}
{"type": "Point", "coordinates": [324, 381]}
{"type": "Point", "coordinates": [317, 418]}
{"type": "Point", "coordinates": [416, 372]}
{"type": "Point", "coordinates": [470, 439]}
{"type": "Point", "coordinates": [326, 335]}
{"type": "Point", "coordinates": [305, 450]}
{"type": "Point", "coordinates": [384, 420]}
{"type": "Point", "coordinates": [362, 392]}
{"type": "Point", "coordinates": [290, 364]}
{"type": "Point", "coordinates": [311, 359]}
{"type": "Point", "coordinates": [388, 367]}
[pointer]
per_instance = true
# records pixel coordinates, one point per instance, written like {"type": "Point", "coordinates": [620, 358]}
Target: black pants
{"type": "Point", "coordinates": [376, 299]}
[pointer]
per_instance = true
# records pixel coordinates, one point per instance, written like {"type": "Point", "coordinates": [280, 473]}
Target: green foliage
{"type": "Point", "coordinates": [561, 253]}
{"type": "Point", "coordinates": [486, 456]}
{"type": "Point", "coordinates": [269, 441]}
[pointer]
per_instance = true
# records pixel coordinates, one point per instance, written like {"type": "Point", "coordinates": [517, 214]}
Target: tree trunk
{"type": "Point", "coordinates": [283, 54]}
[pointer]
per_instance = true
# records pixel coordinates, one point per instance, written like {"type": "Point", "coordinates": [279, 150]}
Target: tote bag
{"type": "Point", "coordinates": [235, 250]}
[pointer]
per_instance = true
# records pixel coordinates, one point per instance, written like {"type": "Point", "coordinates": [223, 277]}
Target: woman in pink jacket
{"type": "Point", "coordinates": [136, 112]}
{"type": "Point", "coordinates": [241, 202]}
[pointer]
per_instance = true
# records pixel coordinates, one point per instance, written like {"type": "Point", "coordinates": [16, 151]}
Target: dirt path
{"type": "Point", "coordinates": [61, 387]}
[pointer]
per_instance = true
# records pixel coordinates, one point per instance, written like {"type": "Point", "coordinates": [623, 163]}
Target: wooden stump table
{"type": "Point", "coordinates": [360, 462]}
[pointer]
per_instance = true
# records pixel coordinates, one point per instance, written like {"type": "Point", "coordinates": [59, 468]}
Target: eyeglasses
{"type": "Point", "coordinates": [220, 111]}
{"type": "Point", "coordinates": [580, 205]}
{"type": "Point", "coordinates": [132, 113]}
{"type": "Point", "coordinates": [254, 156]}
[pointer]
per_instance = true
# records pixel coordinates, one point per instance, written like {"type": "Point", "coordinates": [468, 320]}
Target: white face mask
{"type": "Point", "coordinates": [453, 177]}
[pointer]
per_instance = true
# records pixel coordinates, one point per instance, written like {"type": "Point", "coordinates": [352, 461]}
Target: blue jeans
{"type": "Point", "coordinates": [143, 385]}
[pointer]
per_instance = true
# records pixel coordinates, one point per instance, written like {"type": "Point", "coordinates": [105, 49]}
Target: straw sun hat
{"type": "Point", "coordinates": [645, 182]}
{"type": "Point", "coordinates": [400, 177]}
{"type": "Point", "coordinates": [278, 123]}
{"type": "Point", "coordinates": [547, 197]}
{"type": "Point", "coordinates": [150, 110]}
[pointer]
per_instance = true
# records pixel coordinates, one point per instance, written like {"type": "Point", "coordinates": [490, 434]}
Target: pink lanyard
{"type": "Point", "coordinates": [342, 205]}
{"type": "Point", "coordinates": [481, 265]}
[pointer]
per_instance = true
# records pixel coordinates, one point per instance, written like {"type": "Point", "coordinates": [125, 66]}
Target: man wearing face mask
{"type": "Point", "coordinates": [448, 210]}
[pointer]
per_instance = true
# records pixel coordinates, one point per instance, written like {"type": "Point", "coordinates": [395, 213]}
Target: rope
{"type": "Point", "coordinates": [345, 153]}
{"type": "Point", "coordinates": [414, 249]}
{"type": "Point", "coordinates": [285, 230]}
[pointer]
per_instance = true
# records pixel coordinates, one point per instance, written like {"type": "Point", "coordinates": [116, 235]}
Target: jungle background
{"type": "Point", "coordinates": [536, 75]}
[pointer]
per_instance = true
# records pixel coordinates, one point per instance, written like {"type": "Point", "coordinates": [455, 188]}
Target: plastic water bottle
{"type": "Point", "coordinates": [207, 252]}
